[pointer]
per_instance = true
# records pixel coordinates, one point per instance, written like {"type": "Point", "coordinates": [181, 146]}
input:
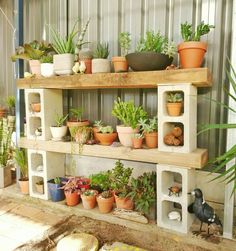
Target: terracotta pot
{"type": "Point", "coordinates": [63, 63]}
{"type": "Point", "coordinates": [191, 54]}
{"type": "Point", "coordinates": [105, 205]}
{"type": "Point", "coordinates": [100, 65]}
{"type": "Point", "coordinates": [120, 64]}
{"type": "Point", "coordinates": [137, 143]}
{"type": "Point", "coordinates": [106, 139]}
{"type": "Point", "coordinates": [151, 139]}
{"type": "Point", "coordinates": [47, 69]}
{"type": "Point", "coordinates": [73, 126]}
{"type": "Point", "coordinates": [174, 109]}
{"type": "Point", "coordinates": [24, 186]}
{"type": "Point", "coordinates": [58, 132]}
{"type": "Point", "coordinates": [88, 64]}
{"type": "Point", "coordinates": [124, 203]}
{"type": "Point", "coordinates": [125, 134]}
{"type": "Point", "coordinates": [3, 112]}
{"type": "Point", "coordinates": [35, 67]}
{"type": "Point", "coordinates": [36, 107]}
{"type": "Point", "coordinates": [89, 202]}
{"type": "Point", "coordinates": [72, 199]}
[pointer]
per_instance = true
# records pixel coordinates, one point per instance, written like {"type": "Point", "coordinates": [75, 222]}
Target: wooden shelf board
{"type": "Point", "coordinates": [196, 159]}
{"type": "Point", "coordinates": [199, 77]}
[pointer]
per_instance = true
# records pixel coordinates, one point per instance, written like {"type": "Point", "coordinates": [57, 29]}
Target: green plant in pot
{"type": "Point", "coordinates": [11, 104]}
{"type": "Point", "coordinates": [192, 50]}
{"type": "Point", "coordinates": [129, 114]}
{"type": "Point", "coordinates": [59, 130]}
{"type": "Point", "coordinates": [46, 66]}
{"type": "Point", "coordinates": [54, 186]}
{"type": "Point", "coordinates": [154, 52]}
{"type": "Point", "coordinates": [105, 201]}
{"type": "Point", "coordinates": [120, 63]}
{"type": "Point", "coordinates": [89, 198]}
{"type": "Point", "coordinates": [96, 125]}
{"type": "Point", "coordinates": [105, 135]}
{"type": "Point", "coordinates": [100, 63]}
{"type": "Point", "coordinates": [149, 128]}
{"type": "Point", "coordinates": [20, 158]}
{"type": "Point", "coordinates": [174, 103]}
{"type": "Point", "coordinates": [137, 140]}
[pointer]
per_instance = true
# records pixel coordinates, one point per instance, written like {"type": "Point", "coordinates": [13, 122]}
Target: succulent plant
{"type": "Point", "coordinates": [102, 51]}
{"type": "Point", "coordinates": [89, 192]}
{"type": "Point", "coordinates": [124, 40]}
{"type": "Point", "coordinates": [148, 125]}
{"type": "Point", "coordinates": [46, 59]}
{"type": "Point", "coordinates": [174, 97]}
{"type": "Point", "coordinates": [106, 194]}
{"type": "Point", "coordinates": [98, 123]}
{"type": "Point", "coordinates": [105, 129]}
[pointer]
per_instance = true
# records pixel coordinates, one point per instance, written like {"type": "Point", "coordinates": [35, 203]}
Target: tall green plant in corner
{"type": "Point", "coordinates": [221, 161]}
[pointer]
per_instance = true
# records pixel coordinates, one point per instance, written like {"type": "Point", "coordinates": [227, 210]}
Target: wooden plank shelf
{"type": "Point", "coordinates": [200, 77]}
{"type": "Point", "coordinates": [196, 159]}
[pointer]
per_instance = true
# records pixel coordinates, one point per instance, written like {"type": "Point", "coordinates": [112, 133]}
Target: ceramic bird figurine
{"type": "Point", "coordinates": [82, 67]}
{"type": "Point", "coordinates": [75, 68]}
{"type": "Point", "coordinates": [202, 210]}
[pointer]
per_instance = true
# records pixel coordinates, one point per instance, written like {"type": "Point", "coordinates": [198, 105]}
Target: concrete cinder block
{"type": "Point", "coordinates": [52, 166]}
{"type": "Point", "coordinates": [167, 176]}
{"type": "Point", "coordinates": [188, 118]}
{"type": "Point", "coordinates": [51, 103]}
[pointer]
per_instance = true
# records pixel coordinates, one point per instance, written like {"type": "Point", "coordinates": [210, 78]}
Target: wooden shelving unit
{"type": "Point", "coordinates": [195, 159]}
{"type": "Point", "coordinates": [199, 77]}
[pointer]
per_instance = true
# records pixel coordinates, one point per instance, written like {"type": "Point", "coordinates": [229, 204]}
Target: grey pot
{"type": "Point", "coordinates": [148, 61]}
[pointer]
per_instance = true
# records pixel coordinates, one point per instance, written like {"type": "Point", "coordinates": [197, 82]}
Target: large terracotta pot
{"type": "Point", "coordinates": [24, 186]}
{"type": "Point", "coordinates": [120, 64]}
{"type": "Point", "coordinates": [35, 67]}
{"type": "Point", "coordinates": [137, 143]}
{"type": "Point", "coordinates": [151, 139]}
{"type": "Point", "coordinates": [100, 65]}
{"type": "Point", "coordinates": [191, 54]}
{"type": "Point", "coordinates": [174, 109]}
{"type": "Point", "coordinates": [124, 203]}
{"type": "Point", "coordinates": [125, 134]}
{"type": "Point", "coordinates": [63, 63]}
{"type": "Point", "coordinates": [105, 205]}
{"type": "Point", "coordinates": [89, 202]}
{"type": "Point", "coordinates": [106, 139]}
{"type": "Point", "coordinates": [72, 199]}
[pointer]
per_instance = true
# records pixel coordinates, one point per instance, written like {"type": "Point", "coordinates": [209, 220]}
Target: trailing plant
{"type": "Point", "coordinates": [228, 175]}
{"type": "Point", "coordinates": [105, 129]}
{"type": "Point", "coordinates": [156, 42]}
{"type": "Point", "coordinates": [148, 125]}
{"type": "Point", "coordinates": [174, 97]}
{"type": "Point", "coordinates": [100, 181]}
{"type": "Point", "coordinates": [20, 158]}
{"type": "Point", "coordinates": [143, 191]}
{"type": "Point", "coordinates": [60, 119]}
{"type": "Point", "coordinates": [125, 41]}
{"type": "Point", "coordinates": [188, 34]}
{"type": "Point", "coordinates": [46, 59]}
{"type": "Point", "coordinates": [128, 113]}
{"type": "Point", "coordinates": [102, 51]}
{"type": "Point", "coordinates": [76, 114]}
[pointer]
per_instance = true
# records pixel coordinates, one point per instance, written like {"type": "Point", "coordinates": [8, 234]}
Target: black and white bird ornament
{"type": "Point", "coordinates": [202, 210]}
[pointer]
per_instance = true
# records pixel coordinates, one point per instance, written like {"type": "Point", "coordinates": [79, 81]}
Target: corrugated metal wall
{"type": "Point", "coordinates": [108, 18]}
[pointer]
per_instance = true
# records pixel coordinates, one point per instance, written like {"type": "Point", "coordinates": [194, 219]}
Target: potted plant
{"type": "Point", "coordinates": [20, 158]}
{"type": "Point", "coordinates": [137, 140]}
{"type": "Point", "coordinates": [192, 50]}
{"type": "Point", "coordinates": [54, 186]}
{"type": "Point", "coordinates": [100, 181]}
{"type": "Point", "coordinates": [105, 201]}
{"type": "Point", "coordinates": [100, 63]}
{"type": "Point", "coordinates": [5, 144]}
{"type": "Point", "coordinates": [120, 63]}
{"type": "Point", "coordinates": [32, 52]}
{"type": "Point", "coordinates": [72, 191]}
{"type": "Point", "coordinates": [105, 135]}
{"type": "Point", "coordinates": [59, 130]}
{"type": "Point", "coordinates": [154, 52]}
{"type": "Point", "coordinates": [89, 198]}
{"type": "Point", "coordinates": [174, 103]}
{"type": "Point", "coordinates": [46, 65]}
{"type": "Point", "coordinates": [96, 125]}
{"type": "Point", "coordinates": [86, 56]}
{"type": "Point", "coordinates": [40, 186]}
{"type": "Point", "coordinates": [143, 193]}
{"type": "Point", "coordinates": [129, 114]}
{"type": "Point", "coordinates": [119, 182]}
{"type": "Point", "coordinates": [149, 128]}
{"type": "Point", "coordinates": [11, 104]}
{"type": "Point", "coordinates": [83, 183]}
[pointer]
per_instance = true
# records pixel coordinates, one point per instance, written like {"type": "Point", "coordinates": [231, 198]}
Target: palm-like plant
{"type": "Point", "coordinates": [20, 157]}
{"type": "Point", "coordinates": [221, 161]}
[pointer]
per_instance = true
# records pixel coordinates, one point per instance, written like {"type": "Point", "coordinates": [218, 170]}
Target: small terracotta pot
{"type": "Point", "coordinates": [24, 186]}
{"type": "Point", "coordinates": [137, 143]}
{"type": "Point", "coordinates": [124, 203]}
{"type": "Point", "coordinates": [120, 64]}
{"type": "Point", "coordinates": [151, 139]}
{"type": "Point", "coordinates": [174, 109]}
{"type": "Point", "coordinates": [105, 205]}
{"type": "Point", "coordinates": [191, 54]}
{"type": "Point", "coordinates": [125, 134]}
{"type": "Point", "coordinates": [72, 199]}
{"type": "Point", "coordinates": [3, 112]}
{"type": "Point", "coordinates": [36, 107]}
{"type": "Point", "coordinates": [35, 67]}
{"type": "Point", "coordinates": [88, 64]}
{"type": "Point", "coordinates": [89, 202]}
{"type": "Point", "coordinates": [106, 139]}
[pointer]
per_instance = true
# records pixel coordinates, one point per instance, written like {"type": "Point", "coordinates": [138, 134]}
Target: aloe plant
{"type": "Point", "coordinates": [59, 120]}
{"type": "Point", "coordinates": [102, 51]}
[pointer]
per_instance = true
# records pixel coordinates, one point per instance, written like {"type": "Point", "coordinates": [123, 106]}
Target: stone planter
{"type": "Point", "coordinates": [100, 65]}
{"type": "Point", "coordinates": [5, 176]}
{"type": "Point", "coordinates": [47, 70]}
{"type": "Point", "coordinates": [63, 63]}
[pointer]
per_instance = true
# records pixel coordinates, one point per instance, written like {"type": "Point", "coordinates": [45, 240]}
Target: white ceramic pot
{"type": "Point", "coordinates": [35, 67]}
{"type": "Point", "coordinates": [101, 65]}
{"type": "Point", "coordinates": [58, 132]}
{"type": "Point", "coordinates": [47, 70]}
{"type": "Point", "coordinates": [63, 63]}
{"type": "Point", "coordinates": [125, 134]}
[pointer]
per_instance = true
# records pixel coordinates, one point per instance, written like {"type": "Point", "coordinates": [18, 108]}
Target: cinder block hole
{"type": "Point", "coordinates": [34, 123]}
{"type": "Point", "coordinates": [170, 183]}
{"type": "Point", "coordinates": [36, 162]}
{"type": "Point", "coordinates": [37, 185]}
{"type": "Point", "coordinates": [173, 134]}
{"type": "Point", "coordinates": [171, 213]}
{"type": "Point", "coordinates": [33, 98]}
{"type": "Point", "coordinates": [173, 103]}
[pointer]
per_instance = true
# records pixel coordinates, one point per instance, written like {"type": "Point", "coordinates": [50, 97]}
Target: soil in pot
{"type": "Point", "coordinates": [120, 64]}
{"type": "Point", "coordinates": [125, 135]}
{"type": "Point", "coordinates": [151, 139]}
{"type": "Point", "coordinates": [105, 205]}
{"type": "Point", "coordinates": [72, 199]}
{"type": "Point", "coordinates": [106, 139]}
{"type": "Point", "coordinates": [24, 186]}
{"type": "Point", "coordinates": [124, 203]}
{"type": "Point", "coordinates": [137, 143]}
{"type": "Point", "coordinates": [174, 109]}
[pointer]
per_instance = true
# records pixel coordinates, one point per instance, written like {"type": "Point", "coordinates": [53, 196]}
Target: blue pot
{"type": "Point", "coordinates": [55, 192]}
